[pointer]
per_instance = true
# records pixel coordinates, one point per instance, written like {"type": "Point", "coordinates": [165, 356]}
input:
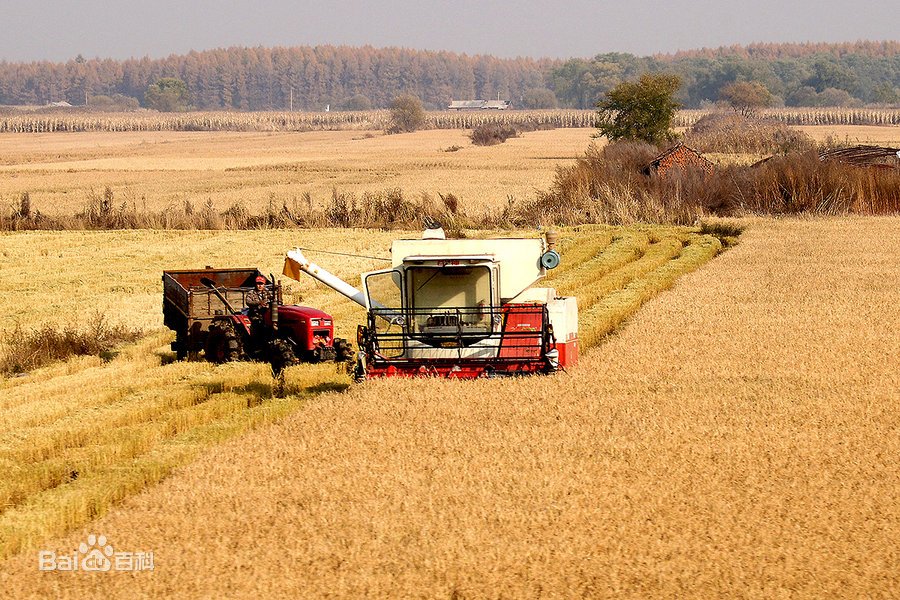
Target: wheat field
{"type": "Point", "coordinates": [736, 438]}
{"type": "Point", "coordinates": [76, 438]}
{"type": "Point", "coordinates": [156, 170]}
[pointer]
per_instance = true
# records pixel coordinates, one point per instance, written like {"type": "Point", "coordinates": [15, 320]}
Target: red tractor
{"type": "Point", "coordinates": [201, 306]}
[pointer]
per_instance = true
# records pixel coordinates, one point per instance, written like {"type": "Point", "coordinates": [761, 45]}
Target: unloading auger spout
{"type": "Point", "coordinates": [295, 263]}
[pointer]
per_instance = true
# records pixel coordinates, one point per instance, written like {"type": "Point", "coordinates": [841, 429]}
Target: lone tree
{"type": "Point", "coordinates": [407, 114]}
{"type": "Point", "coordinates": [746, 96]}
{"type": "Point", "coordinates": [167, 95]}
{"type": "Point", "coordinates": [640, 110]}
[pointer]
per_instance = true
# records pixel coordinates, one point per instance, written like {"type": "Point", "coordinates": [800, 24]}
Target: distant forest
{"type": "Point", "coordinates": [360, 78]}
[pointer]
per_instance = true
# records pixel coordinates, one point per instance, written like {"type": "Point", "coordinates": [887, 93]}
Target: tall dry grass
{"type": "Point", "coordinates": [732, 133]}
{"type": "Point", "coordinates": [736, 438]}
{"type": "Point", "coordinates": [611, 185]}
{"type": "Point", "coordinates": [28, 349]}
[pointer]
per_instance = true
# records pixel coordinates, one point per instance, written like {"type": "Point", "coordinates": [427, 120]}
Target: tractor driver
{"type": "Point", "coordinates": [258, 300]}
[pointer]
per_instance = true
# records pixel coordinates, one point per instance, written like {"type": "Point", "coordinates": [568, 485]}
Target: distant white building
{"type": "Point", "coordinates": [479, 105]}
{"type": "Point", "coordinates": [60, 104]}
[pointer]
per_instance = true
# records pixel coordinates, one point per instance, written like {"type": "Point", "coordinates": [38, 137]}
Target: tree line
{"type": "Point", "coordinates": [360, 78]}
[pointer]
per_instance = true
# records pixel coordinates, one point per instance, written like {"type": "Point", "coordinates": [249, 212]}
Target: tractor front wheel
{"type": "Point", "coordinates": [222, 342]}
{"type": "Point", "coordinates": [281, 356]}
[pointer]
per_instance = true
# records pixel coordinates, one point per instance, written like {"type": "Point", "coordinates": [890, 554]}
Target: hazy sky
{"type": "Point", "coordinates": [59, 30]}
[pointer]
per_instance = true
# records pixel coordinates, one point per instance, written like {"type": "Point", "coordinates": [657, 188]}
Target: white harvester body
{"type": "Point", "coordinates": [460, 307]}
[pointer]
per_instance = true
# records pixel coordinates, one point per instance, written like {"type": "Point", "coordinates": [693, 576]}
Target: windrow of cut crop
{"type": "Point", "coordinates": [79, 460]}
{"type": "Point", "coordinates": [605, 315]}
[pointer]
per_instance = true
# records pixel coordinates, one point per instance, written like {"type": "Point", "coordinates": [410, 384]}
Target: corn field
{"type": "Point", "coordinates": [377, 120]}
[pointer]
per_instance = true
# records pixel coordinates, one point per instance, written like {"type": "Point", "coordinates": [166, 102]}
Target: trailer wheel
{"type": "Point", "coordinates": [222, 342]}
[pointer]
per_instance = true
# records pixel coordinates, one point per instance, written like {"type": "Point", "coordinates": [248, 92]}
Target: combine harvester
{"type": "Point", "coordinates": [459, 308]}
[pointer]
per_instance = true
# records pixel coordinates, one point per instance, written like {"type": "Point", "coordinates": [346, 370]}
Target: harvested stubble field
{"type": "Point", "coordinates": [738, 437]}
{"type": "Point", "coordinates": [157, 170]}
{"type": "Point", "coordinates": [64, 173]}
{"type": "Point", "coordinates": [77, 437]}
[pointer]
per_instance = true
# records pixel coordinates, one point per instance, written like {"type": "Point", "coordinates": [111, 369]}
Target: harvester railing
{"type": "Point", "coordinates": [510, 333]}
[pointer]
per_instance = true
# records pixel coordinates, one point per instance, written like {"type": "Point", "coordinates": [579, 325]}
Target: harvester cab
{"type": "Point", "coordinates": [459, 308]}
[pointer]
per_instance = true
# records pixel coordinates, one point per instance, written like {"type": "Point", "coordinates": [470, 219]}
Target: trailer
{"type": "Point", "coordinates": [190, 306]}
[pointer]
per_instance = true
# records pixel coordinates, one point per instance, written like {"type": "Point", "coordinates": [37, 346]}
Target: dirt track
{"type": "Point", "coordinates": [738, 437]}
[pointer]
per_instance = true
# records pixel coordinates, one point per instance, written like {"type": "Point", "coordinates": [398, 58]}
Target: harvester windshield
{"type": "Point", "coordinates": [457, 297]}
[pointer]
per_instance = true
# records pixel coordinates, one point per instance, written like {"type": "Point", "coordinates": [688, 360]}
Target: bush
{"type": "Point", "coordinates": [746, 96]}
{"type": "Point", "coordinates": [31, 349]}
{"type": "Point", "coordinates": [734, 133]}
{"type": "Point", "coordinates": [407, 114]}
{"type": "Point", "coordinates": [608, 186]}
{"type": "Point", "coordinates": [489, 134]}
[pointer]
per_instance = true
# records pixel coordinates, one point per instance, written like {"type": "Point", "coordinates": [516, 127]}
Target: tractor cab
{"type": "Point", "coordinates": [437, 297]}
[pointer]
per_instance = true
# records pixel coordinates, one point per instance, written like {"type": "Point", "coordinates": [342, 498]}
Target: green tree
{"type": "Point", "coordinates": [746, 96]}
{"type": "Point", "coordinates": [640, 110]}
{"type": "Point", "coordinates": [167, 95]}
{"type": "Point", "coordinates": [407, 114]}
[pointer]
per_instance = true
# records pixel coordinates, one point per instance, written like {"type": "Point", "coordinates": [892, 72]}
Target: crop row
{"type": "Point", "coordinates": [377, 120]}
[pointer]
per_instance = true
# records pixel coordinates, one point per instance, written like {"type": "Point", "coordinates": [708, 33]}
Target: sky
{"type": "Point", "coordinates": [59, 30]}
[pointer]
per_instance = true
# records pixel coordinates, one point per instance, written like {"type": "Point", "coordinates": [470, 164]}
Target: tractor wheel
{"type": "Point", "coordinates": [281, 356]}
{"type": "Point", "coordinates": [343, 350]}
{"type": "Point", "coordinates": [222, 342]}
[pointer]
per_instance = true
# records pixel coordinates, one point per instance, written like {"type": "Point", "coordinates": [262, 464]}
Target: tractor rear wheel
{"type": "Point", "coordinates": [222, 342]}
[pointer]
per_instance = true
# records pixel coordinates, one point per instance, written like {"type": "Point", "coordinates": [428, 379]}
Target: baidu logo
{"type": "Point", "coordinates": [95, 555]}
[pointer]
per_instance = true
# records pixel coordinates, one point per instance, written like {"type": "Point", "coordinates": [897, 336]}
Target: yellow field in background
{"type": "Point", "coordinates": [156, 170]}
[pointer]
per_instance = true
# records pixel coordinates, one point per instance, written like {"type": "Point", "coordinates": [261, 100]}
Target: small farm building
{"type": "Point", "coordinates": [479, 105]}
{"type": "Point", "coordinates": [678, 156]}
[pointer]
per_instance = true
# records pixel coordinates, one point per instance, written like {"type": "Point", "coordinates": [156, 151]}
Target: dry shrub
{"type": "Point", "coordinates": [34, 348]}
{"type": "Point", "coordinates": [490, 134]}
{"type": "Point", "coordinates": [736, 134]}
{"type": "Point", "coordinates": [612, 186]}
{"type": "Point", "coordinates": [801, 183]}
{"type": "Point", "coordinates": [608, 186]}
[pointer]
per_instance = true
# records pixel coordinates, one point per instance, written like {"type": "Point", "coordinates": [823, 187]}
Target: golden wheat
{"type": "Point", "coordinates": [68, 456]}
{"type": "Point", "coordinates": [736, 438]}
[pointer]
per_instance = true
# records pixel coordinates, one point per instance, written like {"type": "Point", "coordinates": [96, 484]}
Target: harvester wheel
{"type": "Point", "coordinates": [222, 342]}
